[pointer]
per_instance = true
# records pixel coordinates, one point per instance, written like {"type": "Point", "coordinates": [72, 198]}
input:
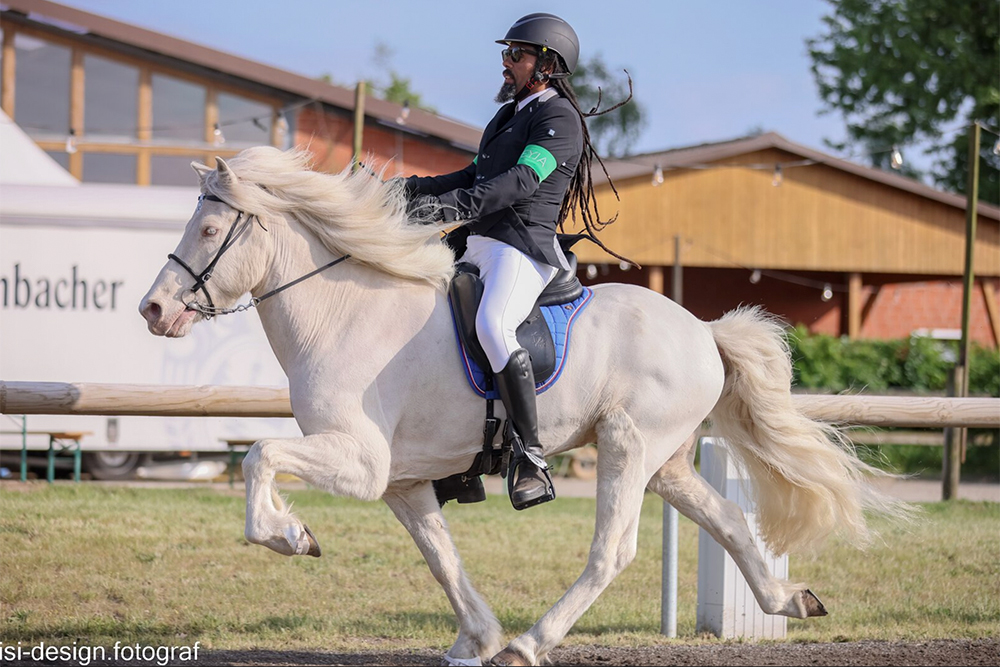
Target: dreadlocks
{"type": "Point", "coordinates": [580, 195]}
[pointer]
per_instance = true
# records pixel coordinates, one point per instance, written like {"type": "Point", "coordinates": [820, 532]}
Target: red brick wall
{"type": "Point", "coordinates": [895, 306]}
{"type": "Point", "coordinates": [330, 138]}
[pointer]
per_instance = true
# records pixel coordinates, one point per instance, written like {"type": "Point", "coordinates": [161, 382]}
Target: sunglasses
{"type": "Point", "coordinates": [515, 53]}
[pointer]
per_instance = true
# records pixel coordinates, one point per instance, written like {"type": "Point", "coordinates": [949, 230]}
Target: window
{"type": "Point", "coordinates": [111, 99]}
{"type": "Point", "coordinates": [41, 106]}
{"type": "Point", "coordinates": [174, 170]}
{"type": "Point", "coordinates": [178, 110]}
{"type": "Point", "coordinates": [109, 168]}
{"type": "Point", "coordinates": [244, 122]}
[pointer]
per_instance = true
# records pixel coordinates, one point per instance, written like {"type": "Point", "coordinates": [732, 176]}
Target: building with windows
{"type": "Point", "coordinates": [114, 103]}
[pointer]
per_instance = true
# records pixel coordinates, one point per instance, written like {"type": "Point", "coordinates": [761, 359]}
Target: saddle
{"type": "Point", "coordinates": [466, 292]}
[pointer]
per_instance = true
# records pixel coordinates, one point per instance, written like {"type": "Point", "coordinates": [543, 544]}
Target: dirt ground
{"type": "Point", "coordinates": [939, 652]}
{"type": "Point", "coordinates": [877, 653]}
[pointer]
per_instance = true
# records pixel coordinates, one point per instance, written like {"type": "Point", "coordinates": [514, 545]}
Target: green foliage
{"type": "Point", "coordinates": [901, 71]}
{"type": "Point", "coordinates": [830, 364]}
{"type": "Point", "coordinates": [836, 364]}
{"type": "Point", "coordinates": [397, 90]}
{"type": "Point", "coordinates": [615, 133]}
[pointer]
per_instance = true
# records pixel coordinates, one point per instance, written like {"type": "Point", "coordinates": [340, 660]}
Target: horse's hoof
{"type": "Point", "coordinates": [509, 656]}
{"type": "Point", "coordinates": [314, 549]}
{"type": "Point", "coordinates": [813, 606]}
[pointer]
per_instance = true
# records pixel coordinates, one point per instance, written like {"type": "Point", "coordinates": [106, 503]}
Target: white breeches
{"type": "Point", "coordinates": [512, 282]}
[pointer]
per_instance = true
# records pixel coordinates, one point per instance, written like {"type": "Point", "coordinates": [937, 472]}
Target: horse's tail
{"type": "Point", "coordinates": [808, 482]}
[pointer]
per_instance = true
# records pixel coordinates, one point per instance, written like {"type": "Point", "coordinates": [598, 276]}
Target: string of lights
{"type": "Point", "coordinates": [895, 161]}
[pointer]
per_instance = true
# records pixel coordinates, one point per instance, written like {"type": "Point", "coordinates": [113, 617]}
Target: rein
{"type": "Point", "coordinates": [234, 234]}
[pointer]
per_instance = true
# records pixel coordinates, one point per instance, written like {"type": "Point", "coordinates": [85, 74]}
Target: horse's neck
{"type": "Point", "coordinates": [348, 316]}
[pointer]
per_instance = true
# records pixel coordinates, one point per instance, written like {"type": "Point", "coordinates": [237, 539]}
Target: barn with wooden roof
{"type": "Point", "coordinates": [841, 248]}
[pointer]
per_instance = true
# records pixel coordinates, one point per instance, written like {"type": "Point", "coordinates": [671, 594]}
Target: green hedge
{"type": "Point", "coordinates": [920, 365]}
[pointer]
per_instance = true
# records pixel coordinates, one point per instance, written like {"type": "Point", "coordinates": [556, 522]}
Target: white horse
{"type": "Point", "coordinates": [378, 390]}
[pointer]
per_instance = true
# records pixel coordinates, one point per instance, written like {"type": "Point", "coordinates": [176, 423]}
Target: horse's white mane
{"type": "Point", "coordinates": [353, 213]}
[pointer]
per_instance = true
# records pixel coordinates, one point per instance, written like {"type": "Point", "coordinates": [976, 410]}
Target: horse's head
{"type": "Point", "coordinates": [218, 259]}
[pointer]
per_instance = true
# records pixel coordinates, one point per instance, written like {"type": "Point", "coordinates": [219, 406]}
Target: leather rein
{"type": "Point", "coordinates": [236, 230]}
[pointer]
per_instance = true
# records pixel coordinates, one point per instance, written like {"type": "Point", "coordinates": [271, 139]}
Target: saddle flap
{"type": "Point", "coordinates": [466, 292]}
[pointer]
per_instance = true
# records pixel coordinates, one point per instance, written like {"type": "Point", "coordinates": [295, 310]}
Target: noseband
{"type": "Point", "coordinates": [236, 230]}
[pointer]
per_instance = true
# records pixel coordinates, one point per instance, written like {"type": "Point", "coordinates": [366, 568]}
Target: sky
{"type": "Point", "coordinates": [704, 71]}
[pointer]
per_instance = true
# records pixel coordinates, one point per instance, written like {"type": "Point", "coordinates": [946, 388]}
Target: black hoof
{"type": "Point", "coordinates": [314, 549]}
{"type": "Point", "coordinates": [813, 605]}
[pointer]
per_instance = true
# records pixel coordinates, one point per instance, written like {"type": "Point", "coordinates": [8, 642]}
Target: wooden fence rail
{"type": "Point", "coordinates": [59, 398]}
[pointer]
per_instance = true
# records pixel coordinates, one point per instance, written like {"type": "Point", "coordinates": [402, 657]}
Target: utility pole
{"type": "Point", "coordinates": [359, 123]}
{"type": "Point", "coordinates": [955, 439]}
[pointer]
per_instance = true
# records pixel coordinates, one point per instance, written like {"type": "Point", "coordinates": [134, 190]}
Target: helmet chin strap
{"type": "Point", "coordinates": [531, 84]}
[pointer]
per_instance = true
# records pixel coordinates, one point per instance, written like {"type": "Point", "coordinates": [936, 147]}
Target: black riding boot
{"type": "Point", "coordinates": [516, 384]}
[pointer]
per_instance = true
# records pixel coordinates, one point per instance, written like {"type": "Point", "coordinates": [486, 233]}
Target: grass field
{"type": "Point", "coordinates": [171, 567]}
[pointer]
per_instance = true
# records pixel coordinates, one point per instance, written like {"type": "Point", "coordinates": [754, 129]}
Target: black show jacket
{"type": "Point", "coordinates": [514, 188]}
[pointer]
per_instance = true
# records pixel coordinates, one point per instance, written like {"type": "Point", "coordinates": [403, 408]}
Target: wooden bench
{"type": "Point", "coordinates": [64, 439]}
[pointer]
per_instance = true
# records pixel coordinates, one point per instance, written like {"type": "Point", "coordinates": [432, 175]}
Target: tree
{"type": "Point", "coordinates": [615, 133]}
{"type": "Point", "coordinates": [908, 72]}
{"type": "Point", "coordinates": [398, 90]}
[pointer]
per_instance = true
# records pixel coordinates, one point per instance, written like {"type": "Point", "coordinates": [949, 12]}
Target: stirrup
{"type": "Point", "coordinates": [523, 456]}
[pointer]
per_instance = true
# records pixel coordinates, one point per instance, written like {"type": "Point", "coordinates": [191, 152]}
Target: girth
{"type": "Point", "coordinates": [466, 292]}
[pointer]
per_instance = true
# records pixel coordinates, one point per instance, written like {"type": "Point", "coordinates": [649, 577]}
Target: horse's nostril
{"type": "Point", "coordinates": [152, 312]}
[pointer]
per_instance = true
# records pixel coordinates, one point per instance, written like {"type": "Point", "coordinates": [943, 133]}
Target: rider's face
{"type": "Point", "coordinates": [516, 74]}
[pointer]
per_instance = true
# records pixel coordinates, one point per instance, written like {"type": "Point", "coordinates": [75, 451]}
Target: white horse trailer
{"type": "Point", "coordinates": [75, 259]}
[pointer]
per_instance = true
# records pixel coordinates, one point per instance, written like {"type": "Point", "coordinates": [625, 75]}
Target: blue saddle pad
{"type": "Point", "coordinates": [560, 319]}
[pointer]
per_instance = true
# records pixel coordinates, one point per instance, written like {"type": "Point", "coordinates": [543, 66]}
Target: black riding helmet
{"type": "Point", "coordinates": [548, 31]}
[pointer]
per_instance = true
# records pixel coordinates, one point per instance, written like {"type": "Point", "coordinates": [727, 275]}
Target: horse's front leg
{"type": "Point", "coordinates": [479, 634]}
{"type": "Point", "coordinates": [342, 464]}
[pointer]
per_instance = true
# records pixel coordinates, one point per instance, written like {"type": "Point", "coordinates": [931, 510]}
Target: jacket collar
{"type": "Point", "coordinates": [509, 112]}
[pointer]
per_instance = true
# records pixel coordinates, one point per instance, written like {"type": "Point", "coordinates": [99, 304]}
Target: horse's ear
{"type": "Point", "coordinates": [226, 175]}
{"type": "Point", "coordinates": [203, 170]}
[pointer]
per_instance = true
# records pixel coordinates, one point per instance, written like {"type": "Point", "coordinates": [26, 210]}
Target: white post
{"type": "Point", "coordinates": [726, 605]}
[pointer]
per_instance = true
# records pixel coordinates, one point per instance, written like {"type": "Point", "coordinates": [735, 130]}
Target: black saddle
{"type": "Point", "coordinates": [466, 292]}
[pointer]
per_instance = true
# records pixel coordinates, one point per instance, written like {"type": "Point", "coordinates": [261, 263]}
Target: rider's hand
{"type": "Point", "coordinates": [425, 210]}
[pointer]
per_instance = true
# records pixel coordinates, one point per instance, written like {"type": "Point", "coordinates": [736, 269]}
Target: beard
{"type": "Point", "coordinates": [506, 93]}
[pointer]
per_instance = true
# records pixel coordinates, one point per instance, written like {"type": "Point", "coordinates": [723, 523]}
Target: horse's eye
{"type": "Point", "coordinates": [210, 231]}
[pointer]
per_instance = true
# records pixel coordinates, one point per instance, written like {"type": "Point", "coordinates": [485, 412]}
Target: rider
{"type": "Point", "coordinates": [514, 195]}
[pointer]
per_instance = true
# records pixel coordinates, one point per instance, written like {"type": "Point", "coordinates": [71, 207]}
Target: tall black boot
{"type": "Point", "coordinates": [516, 384]}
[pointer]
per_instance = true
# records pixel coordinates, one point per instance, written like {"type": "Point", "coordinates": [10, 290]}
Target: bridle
{"type": "Point", "coordinates": [236, 230]}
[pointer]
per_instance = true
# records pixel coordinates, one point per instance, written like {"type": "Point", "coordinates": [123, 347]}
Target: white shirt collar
{"type": "Point", "coordinates": [548, 92]}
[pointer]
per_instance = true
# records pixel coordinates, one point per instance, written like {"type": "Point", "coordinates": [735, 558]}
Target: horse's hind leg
{"type": "Point", "coordinates": [621, 477]}
{"type": "Point", "coordinates": [335, 462]}
{"type": "Point", "coordinates": [479, 635]}
{"type": "Point", "coordinates": [679, 484]}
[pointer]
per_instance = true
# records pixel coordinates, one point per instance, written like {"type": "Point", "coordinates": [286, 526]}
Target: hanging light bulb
{"type": "Point", "coordinates": [897, 159]}
{"type": "Point", "coordinates": [624, 266]}
{"type": "Point", "coordinates": [827, 292]}
{"type": "Point", "coordinates": [404, 113]}
{"type": "Point", "coordinates": [657, 176]}
{"type": "Point", "coordinates": [282, 125]}
{"type": "Point", "coordinates": [71, 141]}
{"type": "Point", "coordinates": [776, 181]}
{"type": "Point", "coordinates": [755, 276]}
{"type": "Point", "coordinates": [217, 137]}
{"type": "Point", "coordinates": [591, 272]}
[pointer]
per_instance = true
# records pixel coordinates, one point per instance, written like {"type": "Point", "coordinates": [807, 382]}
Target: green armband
{"type": "Point", "coordinates": [539, 159]}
